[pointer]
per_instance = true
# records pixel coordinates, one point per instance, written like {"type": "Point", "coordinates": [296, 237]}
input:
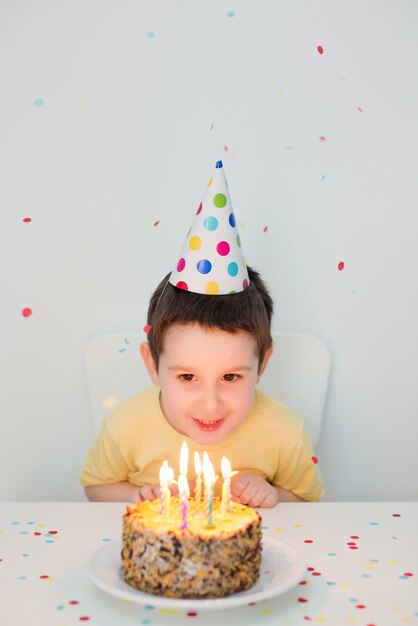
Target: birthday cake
{"type": "Point", "coordinates": [199, 561]}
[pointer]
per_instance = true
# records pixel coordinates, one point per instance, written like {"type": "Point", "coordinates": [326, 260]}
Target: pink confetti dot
{"type": "Point", "coordinates": [265, 229]}
{"type": "Point", "coordinates": [199, 209]}
{"type": "Point", "coordinates": [156, 223]}
{"type": "Point", "coordinates": [314, 460]}
{"type": "Point", "coordinates": [27, 312]}
{"type": "Point", "coordinates": [44, 576]}
{"type": "Point", "coordinates": [396, 515]}
{"type": "Point", "coordinates": [322, 138]}
{"type": "Point", "coordinates": [308, 540]}
{"type": "Point", "coordinates": [354, 537]}
{"type": "Point", "coordinates": [191, 613]}
{"type": "Point", "coordinates": [84, 618]}
{"type": "Point", "coordinates": [408, 574]}
{"type": "Point", "coordinates": [302, 600]}
{"type": "Point", "coordinates": [27, 219]}
{"type": "Point", "coordinates": [353, 547]}
{"type": "Point", "coordinates": [361, 606]}
{"type": "Point", "coordinates": [311, 569]}
{"type": "Point", "coordinates": [360, 109]}
{"type": "Point", "coordinates": [316, 574]}
{"type": "Point", "coordinates": [147, 328]}
{"type": "Point", "coordinates": [37, 534]}
{"type": "Point", "coordinates": [53, 532]}
{"type": "Point", "coordinates": [320, 49]}
{"type": "Point", "coordinates": [303, 582]}
{"type": "Point", "coordinates": [73, 602]}
{"type": "Point", "coordinates": [341, 265]}
{"type": "Point", "coordinates": [226, 148]}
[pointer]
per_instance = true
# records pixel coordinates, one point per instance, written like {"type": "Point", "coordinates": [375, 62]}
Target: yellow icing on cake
{"type": "Point", "coordinates": [147, 514]}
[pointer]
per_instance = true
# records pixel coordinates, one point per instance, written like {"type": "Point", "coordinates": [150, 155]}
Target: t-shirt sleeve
{"type": "Point", "coordinates": [105, 462]}
{"type": "Point", "coordinates": [298, 471]}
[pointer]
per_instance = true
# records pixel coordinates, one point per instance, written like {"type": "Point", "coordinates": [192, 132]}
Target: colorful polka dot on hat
{"type": "Point", "coordinates": [211, 260]}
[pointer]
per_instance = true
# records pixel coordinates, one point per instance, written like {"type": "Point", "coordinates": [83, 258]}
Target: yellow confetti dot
{"type": "Point", "coordinates": [370, 567]}
{"type": "Point", "coordinates": [2, 532]}
{"type": "Point", "coordinates": [195, 243]}
{"type": "Point", "coordinates": [278, 530]}
{"type": "Point", "coordinates": [297, 525]}
{"type": "Point", "coordinates": [126, 602]}
{"type": "Point", "coordinates": [406, 620]}
{"type": "Point", "coordinates": [344, 584]}
{"type": "Point", "coordinates": [352, 620]}
{"type": "Point", "coordinates": [280, 89]}
{"type": "Point", "coordinates": [210, 181]}
{"type": "Point", "coordinates": [169, 611]}
{"type": "Point", "coordinates": [285, 620]}
{"type": "Point", "coordinates": [320, 619]}
{"type": "Point", "coordinates": [212, 288]}
{"type": "Point", "coordinates": [266, 611]}
{"type": "Point", "coordinates": [393, 561]}
{"type": "Point", "coordinates": [398, 608]}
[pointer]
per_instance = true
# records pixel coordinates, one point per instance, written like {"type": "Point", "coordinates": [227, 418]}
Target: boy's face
{"type": "Point", "coordinates": [207, 379]}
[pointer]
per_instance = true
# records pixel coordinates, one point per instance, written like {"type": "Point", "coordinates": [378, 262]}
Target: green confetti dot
{"type": "Point", "coordinates": [219, 200]}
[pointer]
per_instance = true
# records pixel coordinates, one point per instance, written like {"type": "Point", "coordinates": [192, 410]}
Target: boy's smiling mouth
{"type": "Point", "coordinates": [208, 425]}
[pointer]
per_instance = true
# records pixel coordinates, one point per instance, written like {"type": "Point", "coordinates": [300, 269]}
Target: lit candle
{"type": "Point", "coordinates": [209, 480]}
{"type": "Point", "coordinates": [166, 478]}
{"type": "Point", "coordinates": [184, 459]}
{"type": "Point", "coordinates": [184, 494]}
{"type": "Point", "coordinates": [198, 486]}
{"type": "Point", "coordinates": [226, 487]}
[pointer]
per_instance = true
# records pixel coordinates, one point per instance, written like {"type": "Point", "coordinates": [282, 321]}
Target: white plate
{"type": "Point", "coordinates": [281, 568]}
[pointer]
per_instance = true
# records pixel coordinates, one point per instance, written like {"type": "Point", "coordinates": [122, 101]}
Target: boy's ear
{"type": "Point", "coordinates": [149, 363]}
{"type": "Point", "coordinates": [265, 361]}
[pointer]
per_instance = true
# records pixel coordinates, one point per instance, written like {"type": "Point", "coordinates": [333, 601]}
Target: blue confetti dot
{"type": "Point", "coordinates": [146, 621]}
{"type": "Point", "coordinates": [106, 539]}
{"type": "Point", "coordinates": [126, 340]}
{"type": "Point", "coordinates": [24, 532]}
{"type": "Point", "coordinates": [353, 599]}
{"type": "Point", "coordinates": [60, 607]}
{"type": "Point", "coordinates": [38, 102]}
{"type": "Point", "coordinates": [264, 527]}
{"type": "Point", "coordinates": [122, 350]}
{"type": "Point", "coordinates": [21, 577]}
{"type": "Point", "coordinates": [330, 583]}
{"type": "Point", "coordinates": [25, 554]}
{"type": "Point", "coordinates": [149, 607]}
{"type": "Point", "coordinates": [30, 522]}
{"type": "Point", "coordinates": [404, 577]}
{"type": "Point", "coordinates": [231, 13]}
{"type": "Point", "coordinates": [366, 575]}
{"type": "Point", "coordinates": [332, 554]}
{"type": "Point", "coordinates": [49, 541]}
{"type": "Point", "coordinates": [15, 523]}
{"type": "Point", "coordinates": [150, 34]}
{"type": "Point", "coordinates": [374, 523]}
{"type": "Point", "coordinates": [232, 220]}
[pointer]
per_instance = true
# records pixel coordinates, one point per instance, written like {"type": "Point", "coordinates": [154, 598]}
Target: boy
{"type": "Point", "coordinates": [207, 347]}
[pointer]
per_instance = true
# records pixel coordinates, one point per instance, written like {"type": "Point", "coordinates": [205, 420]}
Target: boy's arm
{"type": "Point", "coordinates": [121, 492]}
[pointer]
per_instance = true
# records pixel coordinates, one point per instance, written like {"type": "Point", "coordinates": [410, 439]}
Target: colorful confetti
{"type": "Point", "coordinates": [341, 265]}
{"type": "Point", "coordinates": [320, 49]}
{"type": "Point", "coordinates": [27, 220]}
{"type": "Point", "coordinates": [26, 312]}
{"type": "Point", "coordinates": [156, 223]}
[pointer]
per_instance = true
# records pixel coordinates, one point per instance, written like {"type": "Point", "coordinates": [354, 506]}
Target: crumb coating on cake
{"type": "Point", "coordinates": [199, 562]}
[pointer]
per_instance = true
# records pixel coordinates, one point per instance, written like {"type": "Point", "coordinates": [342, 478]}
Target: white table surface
{"type": "Point", "coordinates": [45, 549]}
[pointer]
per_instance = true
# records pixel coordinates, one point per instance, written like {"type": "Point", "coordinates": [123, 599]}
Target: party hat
{"type": "Point", "coordinates": [211, 259]}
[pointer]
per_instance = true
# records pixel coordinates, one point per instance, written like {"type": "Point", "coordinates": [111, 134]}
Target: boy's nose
{"type": "Point", "coordinates": [210, 401]}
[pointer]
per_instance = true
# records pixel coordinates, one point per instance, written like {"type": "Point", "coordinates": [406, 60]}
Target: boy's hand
{"type": "Point", "coordinates": [253, 490]}
{"type": "Point", "coordinates": [147, 492]}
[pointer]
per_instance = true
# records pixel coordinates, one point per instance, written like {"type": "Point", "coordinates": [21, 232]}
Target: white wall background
{"type": "Point", "coordinates": [112, 117]}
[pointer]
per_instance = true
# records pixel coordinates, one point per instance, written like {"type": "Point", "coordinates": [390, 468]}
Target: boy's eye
{"type": "Point", "coordinates": [186, 377]}
{"type": "Point", "coordinates": [230, 378]}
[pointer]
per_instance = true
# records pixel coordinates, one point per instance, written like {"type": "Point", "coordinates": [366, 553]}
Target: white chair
{"type": "Point", "coordinates": [297, 374]}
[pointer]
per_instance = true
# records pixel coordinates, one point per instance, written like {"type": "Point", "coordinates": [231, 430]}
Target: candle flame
{"type": "Point", "coordinates": [184, 458]}
{"type": "Point", "coordinates": [225, 467]}
{"type": "Point", "coordinates": [166, 474]}
{"type": "Point", "coordinates": [197, 464]}
{"type": "Point", "coordinates": [183, 485]}
{"type": "Point", "coordinates": [208, 471]}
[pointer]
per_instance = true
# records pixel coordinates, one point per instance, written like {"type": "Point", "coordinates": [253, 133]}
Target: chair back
{"type": "Point", "coordinates": [297, 374]}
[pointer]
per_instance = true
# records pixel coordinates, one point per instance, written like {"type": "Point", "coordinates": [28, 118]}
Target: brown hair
{"type": "Point", "coordinates": [250, 310]}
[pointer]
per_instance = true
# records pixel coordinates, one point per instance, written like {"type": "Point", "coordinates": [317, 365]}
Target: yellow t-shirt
{"type": "Point", "coordinates": [271, 441]}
